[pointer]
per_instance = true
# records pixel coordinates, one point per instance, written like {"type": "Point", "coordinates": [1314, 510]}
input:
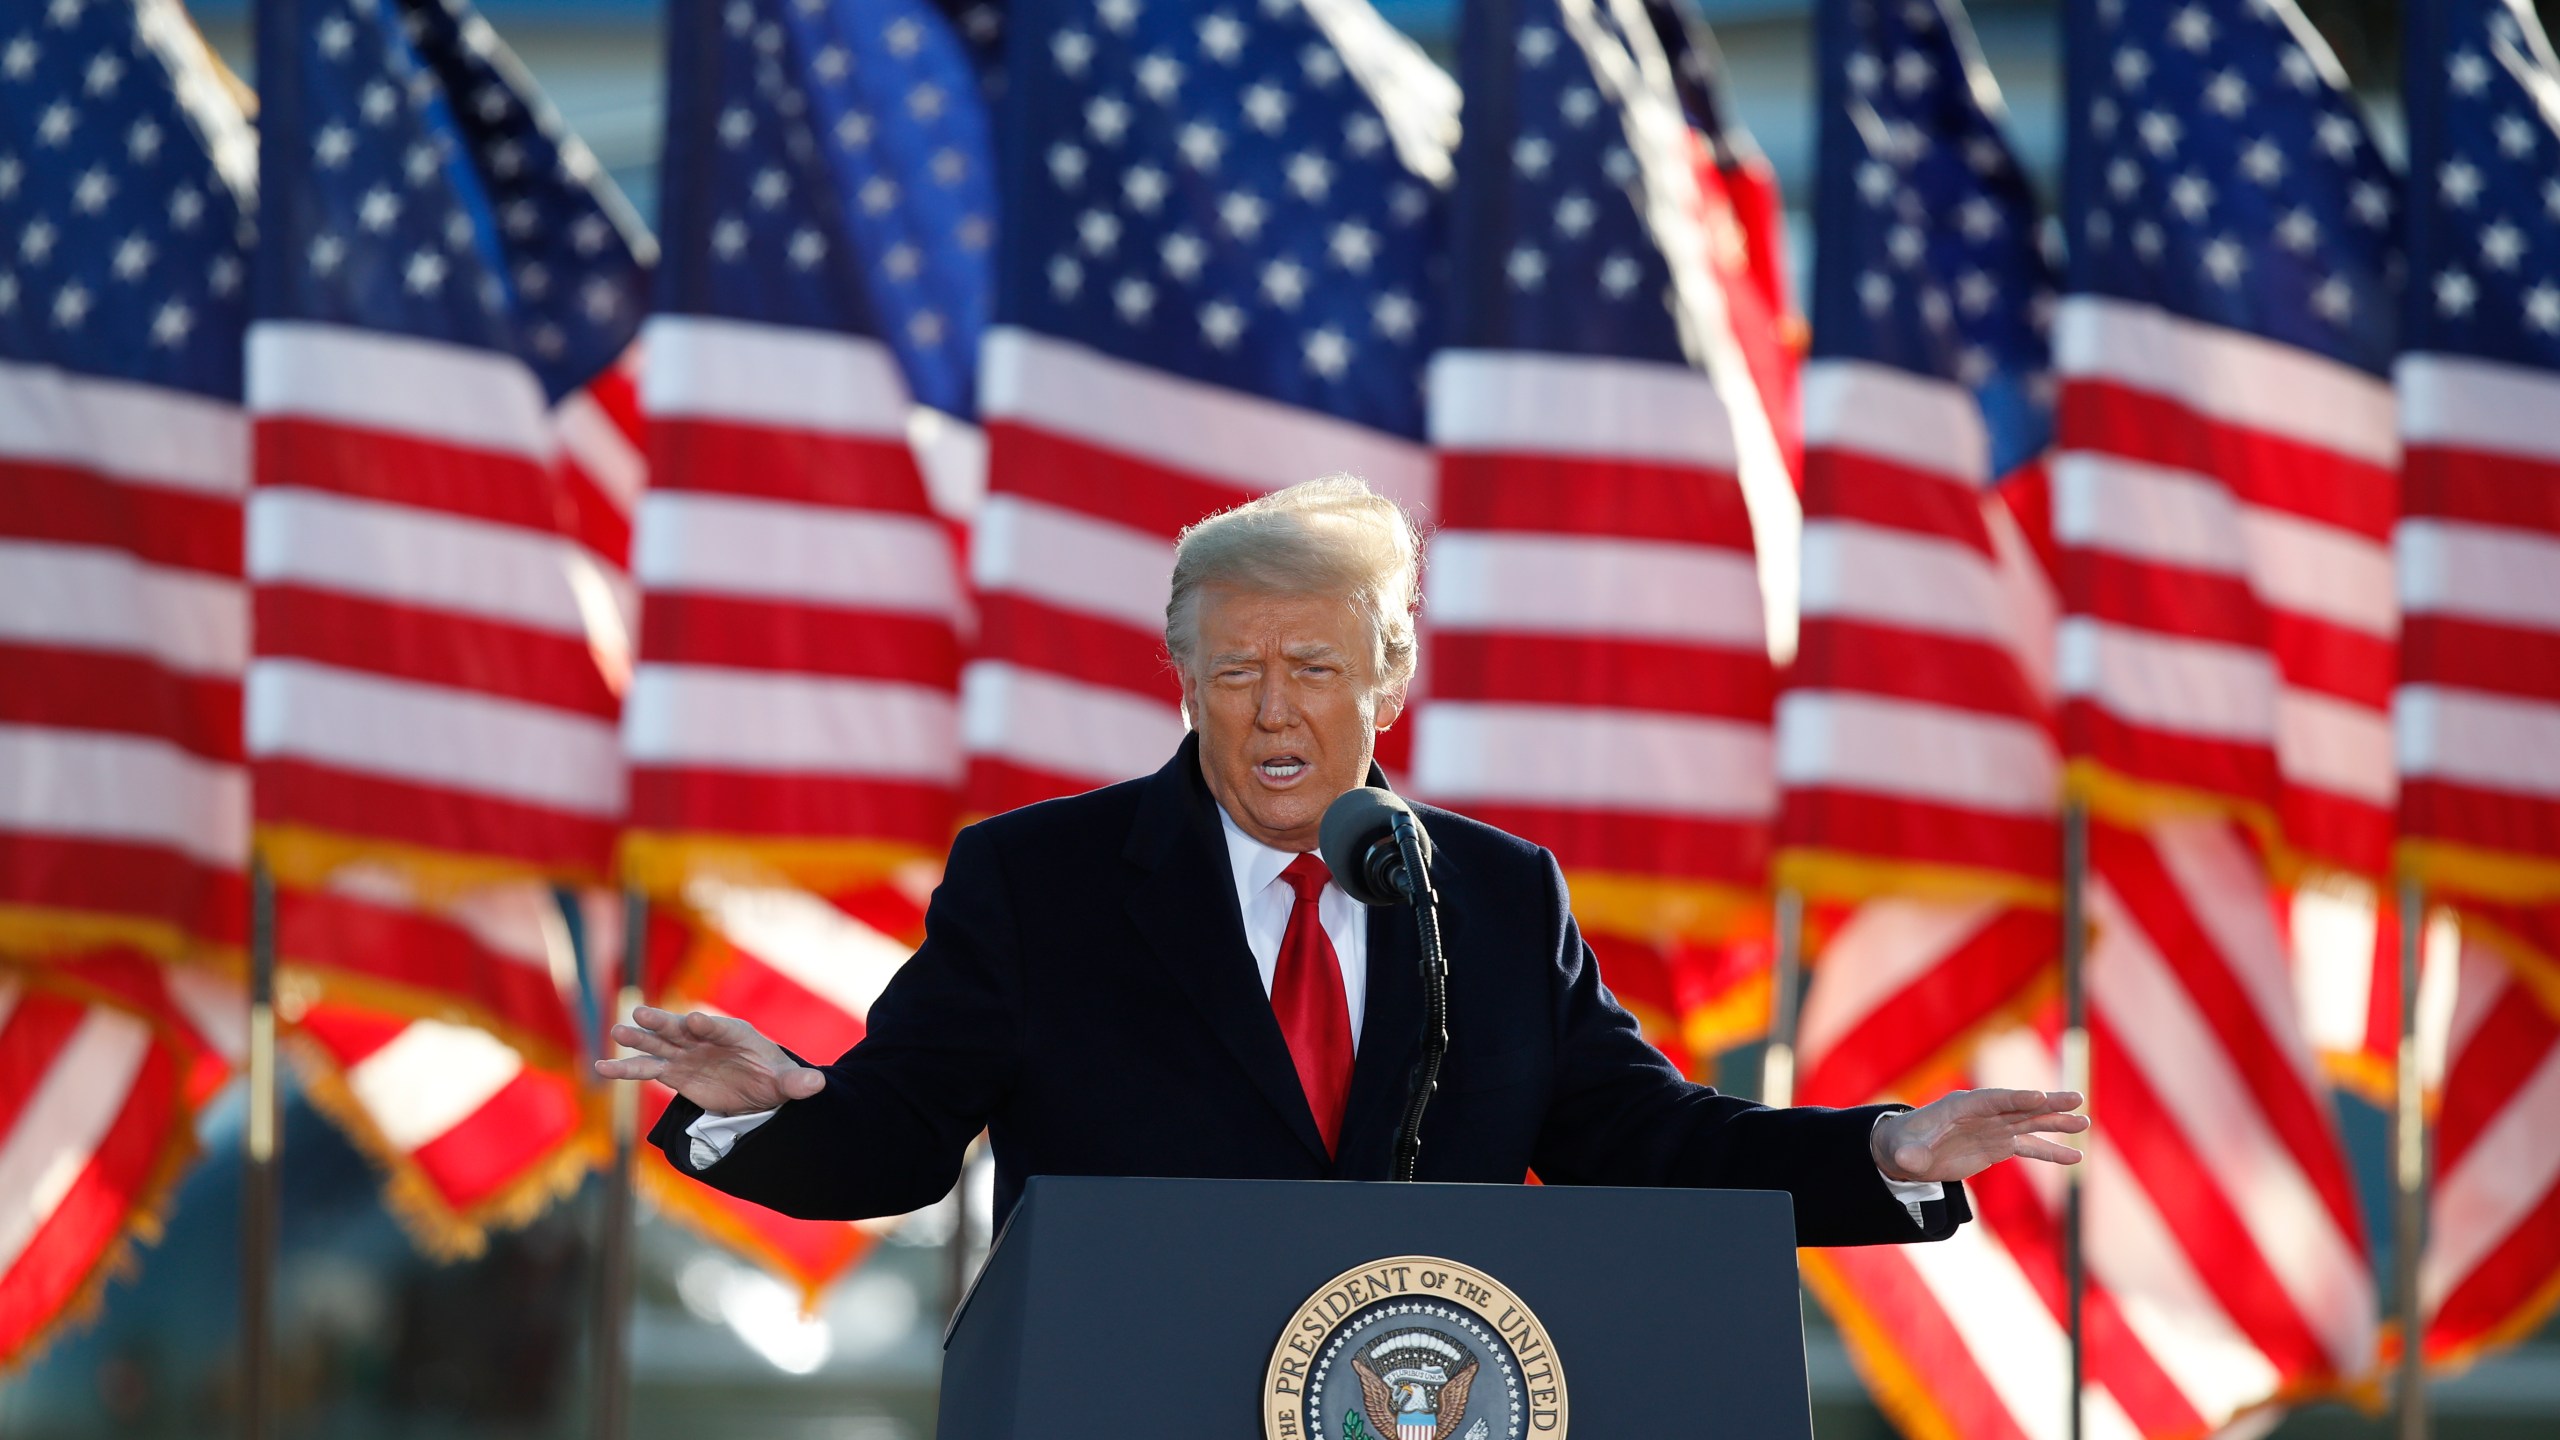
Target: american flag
{"type": "Point", "coordinates": [1717, 993]}
{"type": "Point", "coordinates": [440, 1034]}
{"type": "Point", "coordinates": [1915, 738]}
{"type": "Point", "coordinates": [1599, 661]}
{"type": "Point", "coordinates": [2227, 1268]}
{"type": "Point", "coordinates": [2477, 712]}
{"type": "Point", "coordinates": [831, 202]}
{"type": "Point", "coordinates": [467, 1136]}
{"type": "Point", "coordinates": [2478, 707]}
{"type": "Point", "coordinates": [367, 939]}
{"type": "Point", "coordinates": [1220, 222]}
{"type": "Point", "coordinates": [438, 538]}
{"type": "Point", "coordinates": [2490, 1274]}
{"type": "Point", "coordinates": [97, 1124]}
{"type": "Point", "coordinates": [125, 164]}
{"type": "Point", "coordinates": [2223, 492]}
{"type": "Point", "coordinates": [441, 263]}
{"type": "Point", "coordinates": [1745, 222]}
{"type": "Point", "coordinates": [805, 971]}
{"type": "Point", "coordinates": [2225, 1251]}
{"type": "Point", "coordinates": [1916, 752]}
{"type": "Point", "coordinates": [106, 1060]}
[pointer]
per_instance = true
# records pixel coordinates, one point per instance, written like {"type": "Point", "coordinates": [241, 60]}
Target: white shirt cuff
{"type": "Point", "coordinates": [713, 1135]}
{"type": "Point", "coordinates": [1912, 1193]}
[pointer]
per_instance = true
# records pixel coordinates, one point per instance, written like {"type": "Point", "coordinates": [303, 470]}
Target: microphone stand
{"type": "Point", "coordinates": [1435, 994]}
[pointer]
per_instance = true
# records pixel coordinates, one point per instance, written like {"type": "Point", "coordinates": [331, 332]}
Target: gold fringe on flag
{"type": "Point", "coordinates": [1839, 875]}
{"type": "Point", "coordinates": [2535, 968]}
{"type": "Point", "coordinates": [2500, 876]}
{"type": "Point", "coordinates": [146, 1215]}
{"type": "Point", "coordinates": [1738, 1015]}
{"type": "Point", "coordinates": [302, 857]}
{"type": "Point", "coordinates": [2374, 1079]}
{"type": "Point", "coordinates": [440, 1230]}
{"type": "Point", "coordinates": [40, 932]}
{"type": "Point", "coordinates": [301, 984]}
{"type": "Point", "coordinates": [2539, 973]}
{"type": "Point", "coordinates": [1893, 1382]}
{"type": "Point", "coordinates": [661, 864]}
{"type": "Point", "coordinates": [1665, 907]}
{"type": "Point", "coordinates": [693, 1205]}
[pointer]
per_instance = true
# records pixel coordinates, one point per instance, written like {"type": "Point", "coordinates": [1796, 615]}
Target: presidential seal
{"type": "Point", "coordinates": [1413, 1348]}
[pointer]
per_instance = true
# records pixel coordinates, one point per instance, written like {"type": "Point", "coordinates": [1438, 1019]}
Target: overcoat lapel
{"type": "Point", "coordinates": [1184, 902]}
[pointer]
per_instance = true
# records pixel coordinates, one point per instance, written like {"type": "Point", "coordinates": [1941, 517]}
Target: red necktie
{"type": "Point", "coordinates": [1306, 993]}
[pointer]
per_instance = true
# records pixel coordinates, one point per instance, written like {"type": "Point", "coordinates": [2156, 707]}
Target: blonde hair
{"type": "Point", "coordinates": [1333, 536]}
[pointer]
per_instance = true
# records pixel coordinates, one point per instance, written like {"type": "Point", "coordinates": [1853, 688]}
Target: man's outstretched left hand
{"type": "Point", "coordinates": [1960, 1135]}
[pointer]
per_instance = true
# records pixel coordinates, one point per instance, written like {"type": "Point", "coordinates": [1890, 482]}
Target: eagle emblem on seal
{"type": "Point", "coordinates": [1414, 1384]}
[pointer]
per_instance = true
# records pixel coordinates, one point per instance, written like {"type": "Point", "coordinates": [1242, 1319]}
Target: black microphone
{"type": "Point", "coordinates": [1380, 855]}
{"type": "Point", "coordinates": [1358, 838]}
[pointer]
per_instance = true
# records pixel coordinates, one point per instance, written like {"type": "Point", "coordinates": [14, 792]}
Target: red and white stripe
{"type": "Point", "coordinates": [806, 973]}
{"type": "Point", "coordinates": [423, 685]}
{"type": "Point", "coordinates": [2490, 1274]}
{"type": "Point", "coordinates": [476, 1118]}
{"type": "Point", "coordinates": [604, 470]}
{"type": "Point", "coordinates": [490, 958]}
{"type": "Point", "coordinates": [124, 628]}
{"type": "Point", "coordinates": [468, 1134]}
{"type": "Point", "coordinates": [95, 1127]}
{"type": "Point", "coordinates": [1915, 742]}
{"type": "Point", "coordinates": [1095, 464]}
{"type": "Point", "coordinates": [2223, 504]}
{"type": "Point", "coordinates": [2226, 1259]}
{"type": "Point", "coordinates": [1905, 987]}
{"type": "Point", "coordinates": [1600, 677]}
{"type": "Point", "coordinates": [2346, 980]}
{"type": "Point", "coordinates": [201, 1011]}
{"type": "Point", "coordinates": [2478, 709]}
{"type": "Point", "coordinates": [794, 712]}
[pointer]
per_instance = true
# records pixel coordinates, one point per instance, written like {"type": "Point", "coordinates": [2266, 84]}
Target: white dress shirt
{"type": "Point", "coordinates": [1265, 900]}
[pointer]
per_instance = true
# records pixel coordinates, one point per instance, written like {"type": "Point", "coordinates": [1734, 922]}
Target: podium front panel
{"type": "Point", "coordinates": [1116, 1307]}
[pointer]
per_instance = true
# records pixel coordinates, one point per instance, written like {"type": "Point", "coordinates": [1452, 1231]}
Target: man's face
{"type": "Point", "coordinates": [1285, 697]}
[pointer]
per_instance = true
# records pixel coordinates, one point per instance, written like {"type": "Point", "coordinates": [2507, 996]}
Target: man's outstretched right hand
{"type": "Point", "coordinates": [718, 1063]}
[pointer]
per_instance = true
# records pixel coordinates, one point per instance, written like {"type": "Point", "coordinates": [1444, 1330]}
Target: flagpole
{"type": "Point", "coordinates": [259, 1193]}
{"type": "Point", "coordinates": [2408, 1200]}
{"type": "Point", "coordinates": [2075, 1077]}
{"type": "Point", "coordinates": [1778, 1065]}
{"type": "Point", "coordinates": [611, 1408]}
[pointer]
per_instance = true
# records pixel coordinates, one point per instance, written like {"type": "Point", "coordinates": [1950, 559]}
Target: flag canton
{"type": "Point", "coordinates": [1932, 258]}
{"type": "Point", "coordinates": [847, 182]}
{"type": "Point", "coordinates": [2483, 93]}
{"type": "Point", "coordinates": [1209, 190]}
{"type": "Point", "coordinates": [2218, 169]}
{"type": "Point", "coordinates": [122, 171]}
{"type": "Point", "coordinates": [416, 182]}
{"type": "Point", "coordinates": [1552, 247]}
